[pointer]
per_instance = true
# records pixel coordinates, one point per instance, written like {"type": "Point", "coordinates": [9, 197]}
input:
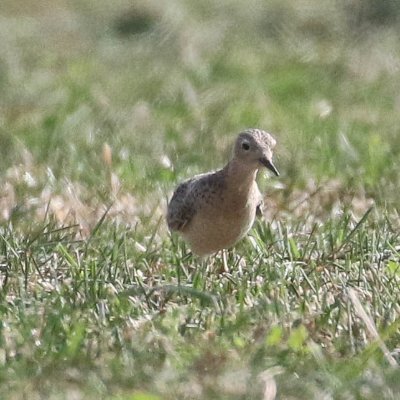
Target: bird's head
{"type": "Point", "coordinates": [255, 146]}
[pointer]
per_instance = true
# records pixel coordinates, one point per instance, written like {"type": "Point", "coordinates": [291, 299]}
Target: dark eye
{"type": "Point", "coordinates": [245, 146]}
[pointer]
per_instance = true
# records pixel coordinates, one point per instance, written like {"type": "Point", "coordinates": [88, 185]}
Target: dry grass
{"type": "Point", "coordinates": [105, 107]}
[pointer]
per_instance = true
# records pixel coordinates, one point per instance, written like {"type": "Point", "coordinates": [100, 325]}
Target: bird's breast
{"type": "Point", "coordinates": [216, 228]}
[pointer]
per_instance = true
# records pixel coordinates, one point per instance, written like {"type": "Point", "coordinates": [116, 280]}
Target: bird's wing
{"type": "Point", "coordinates": [182, 207]}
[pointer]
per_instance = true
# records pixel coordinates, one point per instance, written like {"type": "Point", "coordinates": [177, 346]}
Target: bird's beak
{"type": "Point", "coordinates": [268, 163]}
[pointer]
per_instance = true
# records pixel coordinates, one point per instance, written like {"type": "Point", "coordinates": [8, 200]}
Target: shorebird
{"type": "Point", "coordinates": [213, 211]}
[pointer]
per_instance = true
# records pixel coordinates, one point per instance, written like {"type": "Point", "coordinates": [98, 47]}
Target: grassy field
{"type": "Point", "coordinates": [105, 107]}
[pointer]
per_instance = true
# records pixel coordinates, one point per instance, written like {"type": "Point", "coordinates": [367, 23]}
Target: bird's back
{"type": "Point", "coordinates": [181, 207]}
{"type": "Point", "coordinates": [191, 196]}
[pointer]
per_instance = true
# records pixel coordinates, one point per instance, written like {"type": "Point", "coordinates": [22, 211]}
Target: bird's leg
{"type": "Point", "coordinates": [224, 261]}
{"type": "Point", "coordinates": [207, 264]}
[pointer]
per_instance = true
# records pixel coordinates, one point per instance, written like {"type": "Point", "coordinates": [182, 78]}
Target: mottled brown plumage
{"type": "Point", "coordinates": [213, 211]}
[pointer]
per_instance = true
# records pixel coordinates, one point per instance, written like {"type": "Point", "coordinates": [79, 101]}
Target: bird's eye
{"type": "Point", "coordinates": [245, 146]}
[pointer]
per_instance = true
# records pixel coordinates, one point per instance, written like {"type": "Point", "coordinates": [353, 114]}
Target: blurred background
{"type": "Point", "coordinates": [105, 106]}
{"type": "Point", "coordinates": [117, 101]}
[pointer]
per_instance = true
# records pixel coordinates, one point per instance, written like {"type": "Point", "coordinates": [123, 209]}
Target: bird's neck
{"type": "Point", "coordinates": [240, 175]}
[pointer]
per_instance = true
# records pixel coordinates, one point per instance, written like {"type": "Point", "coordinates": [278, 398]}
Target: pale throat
{"type": "Point", "coordinates": [241, 175]}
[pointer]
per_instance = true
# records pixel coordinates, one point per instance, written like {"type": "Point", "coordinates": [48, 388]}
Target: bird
{"type": "Point", "coordinates": [214, 210]}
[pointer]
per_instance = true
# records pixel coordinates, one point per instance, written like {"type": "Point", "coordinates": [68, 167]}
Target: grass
{"type": "Point", "coordinates": [105, 108]}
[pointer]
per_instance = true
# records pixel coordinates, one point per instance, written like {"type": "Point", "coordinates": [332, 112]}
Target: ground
{"type": "Point", "coordinates": [105, 107]}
